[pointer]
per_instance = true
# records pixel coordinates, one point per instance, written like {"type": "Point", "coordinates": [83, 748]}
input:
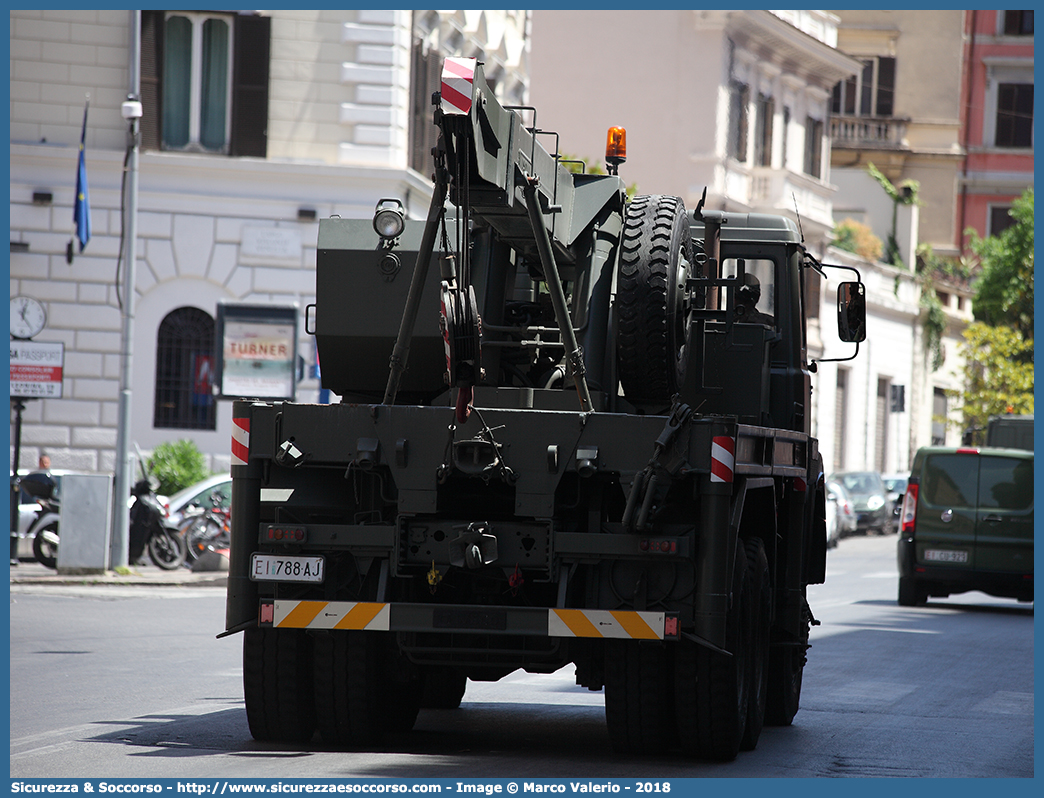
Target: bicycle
{"type": "Point", "coordinates": [205, 529]}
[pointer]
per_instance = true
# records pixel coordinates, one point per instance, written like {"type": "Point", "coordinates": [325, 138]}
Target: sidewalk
{"type": "Point", "coordinates": [33, 573]}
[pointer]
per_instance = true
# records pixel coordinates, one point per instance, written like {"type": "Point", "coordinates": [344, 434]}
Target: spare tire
{"type": "Point", "coordinates": [656, 260]}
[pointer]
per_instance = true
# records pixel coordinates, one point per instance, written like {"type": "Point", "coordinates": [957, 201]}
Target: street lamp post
{"type": "Point", "coordinates": [131, 111]}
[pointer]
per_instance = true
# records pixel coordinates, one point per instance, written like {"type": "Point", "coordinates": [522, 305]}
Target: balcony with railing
{"type": "Point", "coordinates": [781, 190]}
{"type": "Point", "coordinates": [876, 132]}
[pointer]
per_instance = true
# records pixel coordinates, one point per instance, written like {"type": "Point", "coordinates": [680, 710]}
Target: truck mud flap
{"type": "Point", "coordinates": [403, 617]}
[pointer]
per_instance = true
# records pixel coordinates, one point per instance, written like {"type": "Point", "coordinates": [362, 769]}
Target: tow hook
{"type": "Point", "coordinates": [475, 547]}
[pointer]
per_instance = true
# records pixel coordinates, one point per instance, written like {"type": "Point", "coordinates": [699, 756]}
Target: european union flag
{"type": "Point", "coordinates": [82, 207]}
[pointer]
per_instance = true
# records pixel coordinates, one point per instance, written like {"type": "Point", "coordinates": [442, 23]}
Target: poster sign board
{"type": "Point", "coordinates": [257, 351]}
{"type": "Point", "coordinates": [36, 369]}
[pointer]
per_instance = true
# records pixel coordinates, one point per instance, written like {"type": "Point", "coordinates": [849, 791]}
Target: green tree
{"type": "Point", "coordinates": [998, 374]}
{"type": "Point", "coordinates": [177, 464]}
{"type": "Point", "coordinates": [905, 193]}
{"type": "Point", "coordinates": [1004, 288]}
{"type": "Point", "coordinates": [853, 236]}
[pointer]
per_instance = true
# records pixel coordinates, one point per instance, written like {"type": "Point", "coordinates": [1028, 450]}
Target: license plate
{"type": "Point", "coordinates": [941, 555]}
{"type": "Point", "coordinates": [279, 568]}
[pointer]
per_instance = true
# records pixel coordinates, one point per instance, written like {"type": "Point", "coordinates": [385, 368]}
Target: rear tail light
{"type": "Point", "coordinates": [909, 512]}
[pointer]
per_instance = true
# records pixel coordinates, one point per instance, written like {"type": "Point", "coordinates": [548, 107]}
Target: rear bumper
{"type": "Point", "coordinates": [942, 580]}
{"type": "Point", "coordinates": [451, 618]}
{"type": "Point", "coordinates": [872, 519]}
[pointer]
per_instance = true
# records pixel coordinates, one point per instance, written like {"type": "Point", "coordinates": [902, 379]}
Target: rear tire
{"type": "Point", "coordinates": [45, 552]}
{"type": "Point", "coordinates": [347, 693]}
{"type": "Point", "coordinates": [760, 632]}
{"type": "Point", "coordinates": [637, 701]}
{"type": "Point", "coordinates": [712, 689]}
{"type": "Point", "coordinates": [786, 668]}
{"type": "Point", "coordinates": [911, 592]}
{"type": "Point", "coordinates": [656, 260]}
{"type": "Point", "coordinates": [167, 549]}
{"type": "Point", "coordinates": [277, 684]}
{"type": "Point", "coordinates": [443, 688]}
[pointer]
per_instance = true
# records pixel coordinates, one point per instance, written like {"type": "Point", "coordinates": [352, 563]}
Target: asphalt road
{"type": "Point", "coordinates": [131, 682]}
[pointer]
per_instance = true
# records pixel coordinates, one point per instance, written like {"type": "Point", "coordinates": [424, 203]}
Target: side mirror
{"type": "Point", "coordinates": [851, 312]}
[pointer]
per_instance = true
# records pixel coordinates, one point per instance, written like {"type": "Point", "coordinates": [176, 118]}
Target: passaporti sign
{"type": "Point", "coordinates": [36, 369]}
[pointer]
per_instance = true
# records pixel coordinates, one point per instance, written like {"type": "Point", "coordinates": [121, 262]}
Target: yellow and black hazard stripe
{"type": "Point", "coordinates": [380, 617]}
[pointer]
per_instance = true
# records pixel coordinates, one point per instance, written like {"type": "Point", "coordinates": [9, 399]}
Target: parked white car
{"type": "Point", "coordinates": [847, 522]}
{"type": "Point", "coordinates": [199, 497]}
{"type": "Point", "coordinates": [833, 520]}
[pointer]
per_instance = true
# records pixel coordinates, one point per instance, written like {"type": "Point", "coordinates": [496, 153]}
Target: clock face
{"type": "Point", "coordinates": [27, 317]}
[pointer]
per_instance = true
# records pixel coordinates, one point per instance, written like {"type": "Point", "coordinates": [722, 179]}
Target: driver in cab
{"type": "Point", "coordinates": [747, 298]}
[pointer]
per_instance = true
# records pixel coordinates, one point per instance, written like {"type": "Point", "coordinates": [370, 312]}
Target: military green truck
{"type": "Point", "coordinates": [568, 434]}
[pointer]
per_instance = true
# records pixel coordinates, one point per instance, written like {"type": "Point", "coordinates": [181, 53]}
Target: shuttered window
{"type": "Point", "coordinates": [1014, 115]}
{"type": "Point", "coordinates": [425, 80]}
{"type": "Point", "coordinates": [739, 99]}
{"type": "Point", "coordinates": [813, 147]}
{"type": "Point", "coordinates": [763, 142]}
{"type": "Point", "coordinates": [204, 82]}
{"type": "Point", "coordinates": [1018, 23]}
{"type": "Point", "coordinates": [871, 92]}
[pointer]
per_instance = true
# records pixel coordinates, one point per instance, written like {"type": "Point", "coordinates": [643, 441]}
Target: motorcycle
{"type": "Point", "coordinates": [44, 527]}
{"type": "Point", "coordinates": [149, 529]}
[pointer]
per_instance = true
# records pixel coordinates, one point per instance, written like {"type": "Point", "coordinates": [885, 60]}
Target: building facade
{"type": "Point", "coordinates": [902, 112]}
{"type": "Point", "coordinates": [255, 124]}
{"type": "Point", "coordinates": [734, 102]}
{"type": "Point", "coordinates": [944, 98]}
{"type": "Point", "coordinates": [996, 118]}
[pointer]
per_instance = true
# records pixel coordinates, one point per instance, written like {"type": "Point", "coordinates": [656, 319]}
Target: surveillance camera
{"type": "Point", "coordinates": [131, 109]}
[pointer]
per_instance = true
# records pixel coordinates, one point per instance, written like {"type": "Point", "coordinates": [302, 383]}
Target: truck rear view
{"type": "Point", "coordinates": [574, 429]}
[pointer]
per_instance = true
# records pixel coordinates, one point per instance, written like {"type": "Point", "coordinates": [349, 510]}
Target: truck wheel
{"type": "Point", "coordinates": [760, 632]}
{"type": "Point", "coordinates": [402, 705]}
{"type": "Point", "coordinates": [277, 684]}
{"type": "Point", "coordinates": [443, 688]}
{"type": "Point", "coordinates": [347, 688]}
{"type": "Point", "coordinates": [911, 592]}
{"type": "Point", "coordinates": [637, 702]}
{"type": "Point", "coordinates": [711, 688]}
{"type": "Point", "coordinates": [655, 262]}
{"type": "Point", "coordinates": [786, 667]}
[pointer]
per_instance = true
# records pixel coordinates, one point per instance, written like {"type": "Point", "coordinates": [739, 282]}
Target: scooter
{"type": "Point", "coordinates": [150, 529]}
{"type": "Point", "coordinates": [44, 528]}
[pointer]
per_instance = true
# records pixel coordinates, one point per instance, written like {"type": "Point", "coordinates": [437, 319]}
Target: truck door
{"type": "Point", "coordinates": [1004, 518]}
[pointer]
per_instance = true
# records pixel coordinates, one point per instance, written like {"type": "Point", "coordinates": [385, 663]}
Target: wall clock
{"type": "Point", "coordinates": [28, 317]}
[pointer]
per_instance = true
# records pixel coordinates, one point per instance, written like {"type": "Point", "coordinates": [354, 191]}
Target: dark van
{"type": "Point", "coordinates": [967, 524]}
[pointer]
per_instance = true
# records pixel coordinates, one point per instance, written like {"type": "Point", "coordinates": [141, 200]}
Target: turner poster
{"type": "Point", "coordinates": [258, 351]}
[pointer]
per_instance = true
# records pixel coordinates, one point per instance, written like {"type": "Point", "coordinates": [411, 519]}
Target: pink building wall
{"type": "Point", "coordinates": [983, 44]}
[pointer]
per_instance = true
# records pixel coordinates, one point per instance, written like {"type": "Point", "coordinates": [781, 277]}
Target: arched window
{"type": "Point", "coordinates": [184, 370]}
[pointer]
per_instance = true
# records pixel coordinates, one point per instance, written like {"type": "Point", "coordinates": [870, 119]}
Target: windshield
{"type": "Point", "coordinates": [862, 483]}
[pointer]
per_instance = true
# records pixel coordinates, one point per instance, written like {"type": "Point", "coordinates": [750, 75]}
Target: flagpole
{"type": "Point", "coordinates": [131, 111]}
